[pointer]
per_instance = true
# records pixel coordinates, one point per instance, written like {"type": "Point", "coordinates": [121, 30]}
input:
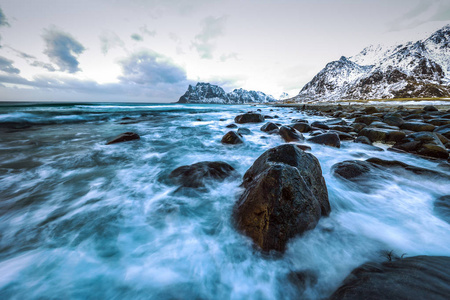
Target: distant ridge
{"type": "Point", "coordinates": [210, 93]}
{"type": "Point", "coordinates": [414, 69]}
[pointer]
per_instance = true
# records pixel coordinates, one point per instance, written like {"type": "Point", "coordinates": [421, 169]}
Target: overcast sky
{"type": "Point", "coordinates": [151, 50]}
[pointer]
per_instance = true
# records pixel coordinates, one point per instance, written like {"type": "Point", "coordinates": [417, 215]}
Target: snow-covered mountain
{"type": "Point", "coordinates": [210, 93]}
{"type": "Point", "coordinates": [414, 69]}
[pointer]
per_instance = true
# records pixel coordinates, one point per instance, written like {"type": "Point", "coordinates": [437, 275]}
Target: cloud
{"type": "Point", "coordinates": [41, 64]}
{"type": "Point", "coordinates": [225, 57]}
{"type": "Point", "coordinates": [6, 65]}
{"type": "Point", "coordinates": [425, 11]}
{"type": "Point", "coordinates": [144, 30]}
{"type": "Point", "coordinates": [32, 61]}
{"type": "Point", "coordinates": [3, 20]}
{"type": "Point", "coordinates": [137, 37]}
{"type": "Point", "coordinates": [149, 67]}
{"type": "Point", "coordinates": [109, 40]}
{"type": "Point", "coordinates": [62, 49]}
{"type": "Point", "coordinates": [204, 42]}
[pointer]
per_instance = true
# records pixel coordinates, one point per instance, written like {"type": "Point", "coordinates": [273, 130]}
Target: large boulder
{"type": "Point", "coordinates": [232, 137]}
{"type": "Point", "coordinates": [249, 118]}
{"type": "Point", "coordinates": [418, 277]}
{"type": "Point", "coordinates": [289, 134]}
{"type": "Point", "coordinates": [124, 137]}
{"type": "Point", "coordinates": [329, 139]}
{"type": "Point", "coordinates": [269, 126]}
{"type": "Point", "coordinates": [197, 174]}
{"type": "Point", "coordinates": [285, 195]}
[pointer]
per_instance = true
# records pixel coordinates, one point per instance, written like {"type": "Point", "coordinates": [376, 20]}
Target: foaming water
{"type": "Point", "coordinates": [79, 219]}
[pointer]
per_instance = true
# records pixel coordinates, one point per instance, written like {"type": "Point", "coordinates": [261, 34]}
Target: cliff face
{"type": "Point", "coordinates": [415, 69]}
{"type": "Point", "coordinates": [210, 93]}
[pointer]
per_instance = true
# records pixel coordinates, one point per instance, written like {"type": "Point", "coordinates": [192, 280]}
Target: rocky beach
{"type": "Point", "coordinates": [242, 201]}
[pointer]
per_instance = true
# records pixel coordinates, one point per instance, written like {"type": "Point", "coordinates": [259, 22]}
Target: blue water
{"type": "Point", "coordinates": [83, 220]}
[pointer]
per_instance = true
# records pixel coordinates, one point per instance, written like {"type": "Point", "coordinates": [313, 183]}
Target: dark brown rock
{"type": "Point", "coordinates": [289, 134]}
{"type": "Point", "coordinates": [301, 127]}
{"type": "Point", "coordinates": [249, 118]}
{"type": "Point", "coordinates": [269, 127]}
{"type": "Point", "coordinates": [285, 195]}
{"type": "Point", "coordinates": [124, 137]}
{"type": "Point", "coordinates": [195, 175]}
{"type": "Point", "coordinates": [329, 139]}
{"type": "Point", "coordinates": [232, 137]}
{"type": "Point", "coordinates": [418, 126]}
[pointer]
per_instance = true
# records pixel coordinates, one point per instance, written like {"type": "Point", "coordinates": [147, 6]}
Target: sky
{"type": "Point", "coordinates": [151, 50]}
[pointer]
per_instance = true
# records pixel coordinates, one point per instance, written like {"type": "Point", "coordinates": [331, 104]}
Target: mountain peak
{"type": "Point", "coordinates": [414, 69]}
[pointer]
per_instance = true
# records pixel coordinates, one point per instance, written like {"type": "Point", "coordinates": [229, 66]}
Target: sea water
{"type": "Point", "coordinates": [83, 220]}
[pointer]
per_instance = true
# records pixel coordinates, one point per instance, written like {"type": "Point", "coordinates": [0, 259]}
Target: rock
{"type": "Point", "coordinates": [398, 164]}
{"type": "Point", "coordinates": [269, 127]}
{"type": "Point", "coordinates": [382, 135]}
{"type": "Point", "coordinates": [423, 143]}
{"type": "Point", "coordinates": [231, 126]}
{"type": "Point", "coordinates": [301, 127]}
{"type": "Point", "coordinates": [430, 108]}
{"type": "Point", "coordinates": [418, 277]}
{"type": "Point", "coordinates": [358, 126]}
{"type": "Point", "coordinates": [285, 195]}
{"type": "Point", "coordinates": [343, 136]}
{"type": "Point", "coordinates": [444, 130]}
{"type": "Point", "coordinates": [342, 128]}
{"type": "Point", "coordinates": [366, 119]}
{"type": "Point", "coordinates": [232, 137]}
{"type": "Point", "coordinates": [351, 169]}
{"type": "Point", "coordinates": [320, 125]}
{"type": "Point", "coordinates": [394, 121]}
{"type": "Point", "coordinates": [249, 118]}
{"type": "Point", "coordinates": [289, 134]}
{"type": "Point", "coordinates": [329, 139]}
{"type": "Point", "coordinates": [363, 140]}
{"type": "Point", "coordinates": [432, 150]}
{"type": "Point", "coordinates": [195, 175]}
{"type": "Point", "coordinates": [244, 131]}
{"type": "Point", "coordinates": [378, 124]}
{"type": "Point", "coordinates": [439, 122]}
{"type": "Point", "coordinates": [417, 126]}
{"type": "Point", "coordinates": [304, 147]}
{"type": "Point", "coordinates": [370, 110]}
{"type": "Point", "coordinates": [442, 207]}
{"type": "Point", "coordinates": [124, 137]}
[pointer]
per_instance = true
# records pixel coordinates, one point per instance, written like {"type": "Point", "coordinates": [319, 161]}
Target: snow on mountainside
{"type": "Point", "coordinates": [210, 93]}
{"type": "Point", "coordinates": [414, 69]}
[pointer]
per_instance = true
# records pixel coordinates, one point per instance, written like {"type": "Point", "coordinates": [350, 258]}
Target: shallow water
{"type": "Point", "coordinates": [79, 219]}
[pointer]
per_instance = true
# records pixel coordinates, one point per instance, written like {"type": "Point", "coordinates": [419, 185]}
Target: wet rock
{"type": "Point", "coordinates": [249, 118]}
{"type": "Point", "coordinates": [401, 165]}
{"type": "Point", "coordinates": [358, 126]}
{"type": "Point", "coordinates": [231, 126]}
{"type": "Point", "coordinates": [342, 135]}
{"type": "Point", "coordinates": [430, 108]}
{"type": "Point", "coordinates": [195, 175]}
{"type": "Point", "coordinates": [370, 110]}
{"type": "Point", "coordinates": [320, 125]}
{"type": "Point", "coordinates": [378, 124]}
{"type": "Point", "coordinates": [423, 143]}
{"type": "Point", "coordinates": [285, 195]}
{"type": "Point", "coordinates": [444, 130]}
{"type": "Point", "coordinates": [302, 127]}
{"type": "Point", "coordinates": [439, 122]}
{"type": "Point", "coordinates": [329, 139]}
{"type": "Point", "coordinates": [442, 207]}
{"type": "Point", "coordinates": [417, 126]}
{"type": "Point", "coordinates": [269, 127]}
{"type": "Point", "coordinates": [394, 121]}
{"type": "Point", "coordinates": [304, 147]}
{"type": "Point", "coordinates": [418, 277]}
{"type": "Point", "coordinates": [124, 137]}
{"type": "Point", "coordinates": [289, 134]}
{"type": "Point", "coordinates": [366, 119]}
{"type": "Point", "coordinates": [232, 137]}
{"type": "Point", "coordinates": [342, 128]}
{"type": "Point", "coordinates": [363, 140]}
{"type": "Point", "coordinates": [351, 169]}
{"type": "Point", "coordinates": [382, 135]}
{"type": "Point", "coordinates": [244, 131]}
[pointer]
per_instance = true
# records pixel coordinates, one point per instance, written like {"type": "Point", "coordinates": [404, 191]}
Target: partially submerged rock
{"type": "Point", "coordinates": [285, 195]}
{"type": "Point", "coordinates": [195, 175]}
{"type": "Point", "coordinates": [249, 118]}
{"type": "Point", "coordinates": [329, 139]}
{"type": "Point", "coordinates": [232, 137]}
{"type": "Point", "coordinates": [418, 277]}
{"type": "Point", "coordinates": [289, 134]}
{"type": "Point", "coordinates": [124, 137]}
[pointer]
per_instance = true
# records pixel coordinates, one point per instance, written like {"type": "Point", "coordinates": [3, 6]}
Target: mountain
{"type": "Point", "coordinates": [414, 69]}
{"type": "Point", "coordinates": [210, 93]}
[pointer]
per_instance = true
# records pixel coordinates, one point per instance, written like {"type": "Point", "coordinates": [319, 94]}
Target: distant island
{"type": "Point", "coordinates": [214, 94]}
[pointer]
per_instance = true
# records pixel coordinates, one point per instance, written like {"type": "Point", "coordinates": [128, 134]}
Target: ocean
{"type": "Point", "coordinates": [80, 219]}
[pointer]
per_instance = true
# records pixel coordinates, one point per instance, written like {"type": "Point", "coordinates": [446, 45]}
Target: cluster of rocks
{"type": "Point", "coordinates": [424, 132]}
